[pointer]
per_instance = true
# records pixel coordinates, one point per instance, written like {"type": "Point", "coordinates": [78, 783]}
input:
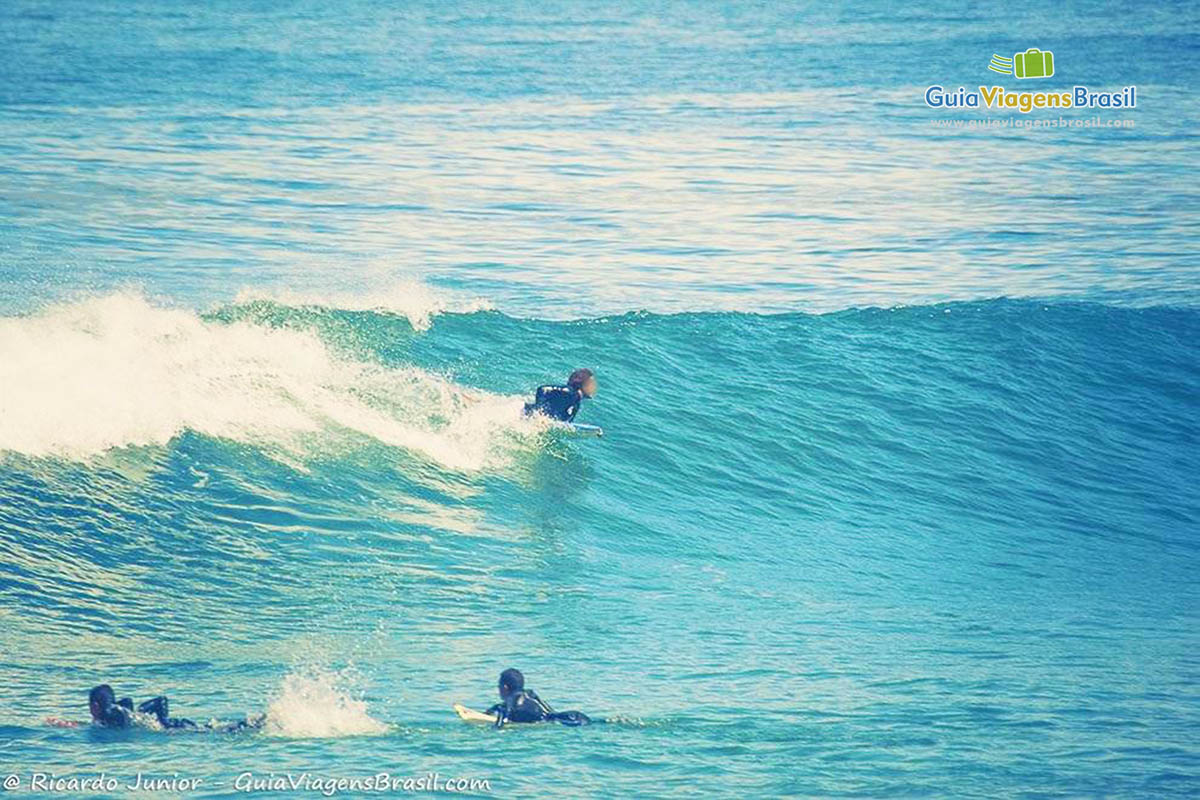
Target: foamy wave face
{"type": "Point", "coordinates": [315, 703]}
{"type": "Point", "coordinates": [410, 299]}
{"type": "Point", "coordinates": [115, 371]}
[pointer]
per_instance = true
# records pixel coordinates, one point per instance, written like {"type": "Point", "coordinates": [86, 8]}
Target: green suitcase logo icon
{"type": "Point", "coordinates": [1033, 63]}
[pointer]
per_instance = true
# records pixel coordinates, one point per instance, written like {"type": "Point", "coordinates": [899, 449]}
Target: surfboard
{"type": "Point", "coordinates": [59, 722]}
{"type": "Point", "coordinates": [581, 429]}
{"type": "Point", "coordinates": [470, 715]}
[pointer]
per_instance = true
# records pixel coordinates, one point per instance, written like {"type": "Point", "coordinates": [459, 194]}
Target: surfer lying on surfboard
{"type": "Point", "coordinates": [562, 402]}
{"type": "Point", "coordinates": [518, 704]}
{"type": "Point", "coordinates": [109, 712]}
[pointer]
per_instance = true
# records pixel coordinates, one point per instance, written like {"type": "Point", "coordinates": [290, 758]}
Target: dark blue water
{"type": "Point", "coordinates": [898, 494]}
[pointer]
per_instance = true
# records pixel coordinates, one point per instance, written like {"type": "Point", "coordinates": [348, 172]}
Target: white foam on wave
{"type": "Point", "coordinates": [413, 300]}
{"type": "Point", "coordinates": [318, 703]}
{"type": "Point", "coordinates": [84, 377]}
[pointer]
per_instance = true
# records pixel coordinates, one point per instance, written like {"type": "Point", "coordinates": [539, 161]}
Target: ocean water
{"type": "Point", "coordinates": [898, 495]}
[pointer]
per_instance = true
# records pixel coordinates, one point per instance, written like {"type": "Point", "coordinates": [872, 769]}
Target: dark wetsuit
{"type": "Point", "coordinates": [120, 714]}
{"type": "Point", "coordinates": [158, 707]}
{"type": "Point", "coordinates": [526, 706]}
{"type": "Point", "coordinates": [557, 402]}
{"type": "Point", "coordinates": [117, 715]}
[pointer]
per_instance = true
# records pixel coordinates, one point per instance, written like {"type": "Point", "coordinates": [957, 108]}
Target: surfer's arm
{"type": "Point", "coordinates": [498, 712]}
{"type": "Point", "coordinates": [159, 708]}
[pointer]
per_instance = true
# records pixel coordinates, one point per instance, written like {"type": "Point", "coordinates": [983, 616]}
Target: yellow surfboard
{"type": "Point", "coordinates": [470, 715]}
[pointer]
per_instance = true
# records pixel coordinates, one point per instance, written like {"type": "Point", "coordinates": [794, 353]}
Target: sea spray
{"type": "Point", "coordinates": [317, 703]}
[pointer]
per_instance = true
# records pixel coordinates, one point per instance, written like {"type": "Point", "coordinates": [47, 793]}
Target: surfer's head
{"type": "Point", "coordinates": [101, 698]}
{"type": "Point", "coordinates": [511, 682]}
{"type": "Point", "coordinates": [584, 380]}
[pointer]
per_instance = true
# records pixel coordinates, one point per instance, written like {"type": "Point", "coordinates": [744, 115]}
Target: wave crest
{"type": "Point", "coordinates": [84, 377]}
{"type": "Point", "coordinates": [412, 300]}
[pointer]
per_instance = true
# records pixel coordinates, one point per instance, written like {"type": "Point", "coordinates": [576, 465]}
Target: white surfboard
{"type": "Point", "coordinates": [471, 715]}
{"type": "Point", "coordinates": [582, 429]}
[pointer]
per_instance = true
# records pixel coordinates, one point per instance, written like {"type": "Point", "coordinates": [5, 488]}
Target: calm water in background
{"type": "Point", "coordinates": [275, 276]}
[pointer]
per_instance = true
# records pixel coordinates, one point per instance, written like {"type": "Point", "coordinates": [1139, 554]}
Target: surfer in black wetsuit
{"type": "Point", "coordinates": [110, 712]}
{"type": "Point", "coordinates": [518, 704]}
{"type": "Point", "coordinates": [562, 402]}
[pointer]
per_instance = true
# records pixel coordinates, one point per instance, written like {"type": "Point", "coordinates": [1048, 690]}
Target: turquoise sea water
{"type": "Point", "coordinates": [899, 492]}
